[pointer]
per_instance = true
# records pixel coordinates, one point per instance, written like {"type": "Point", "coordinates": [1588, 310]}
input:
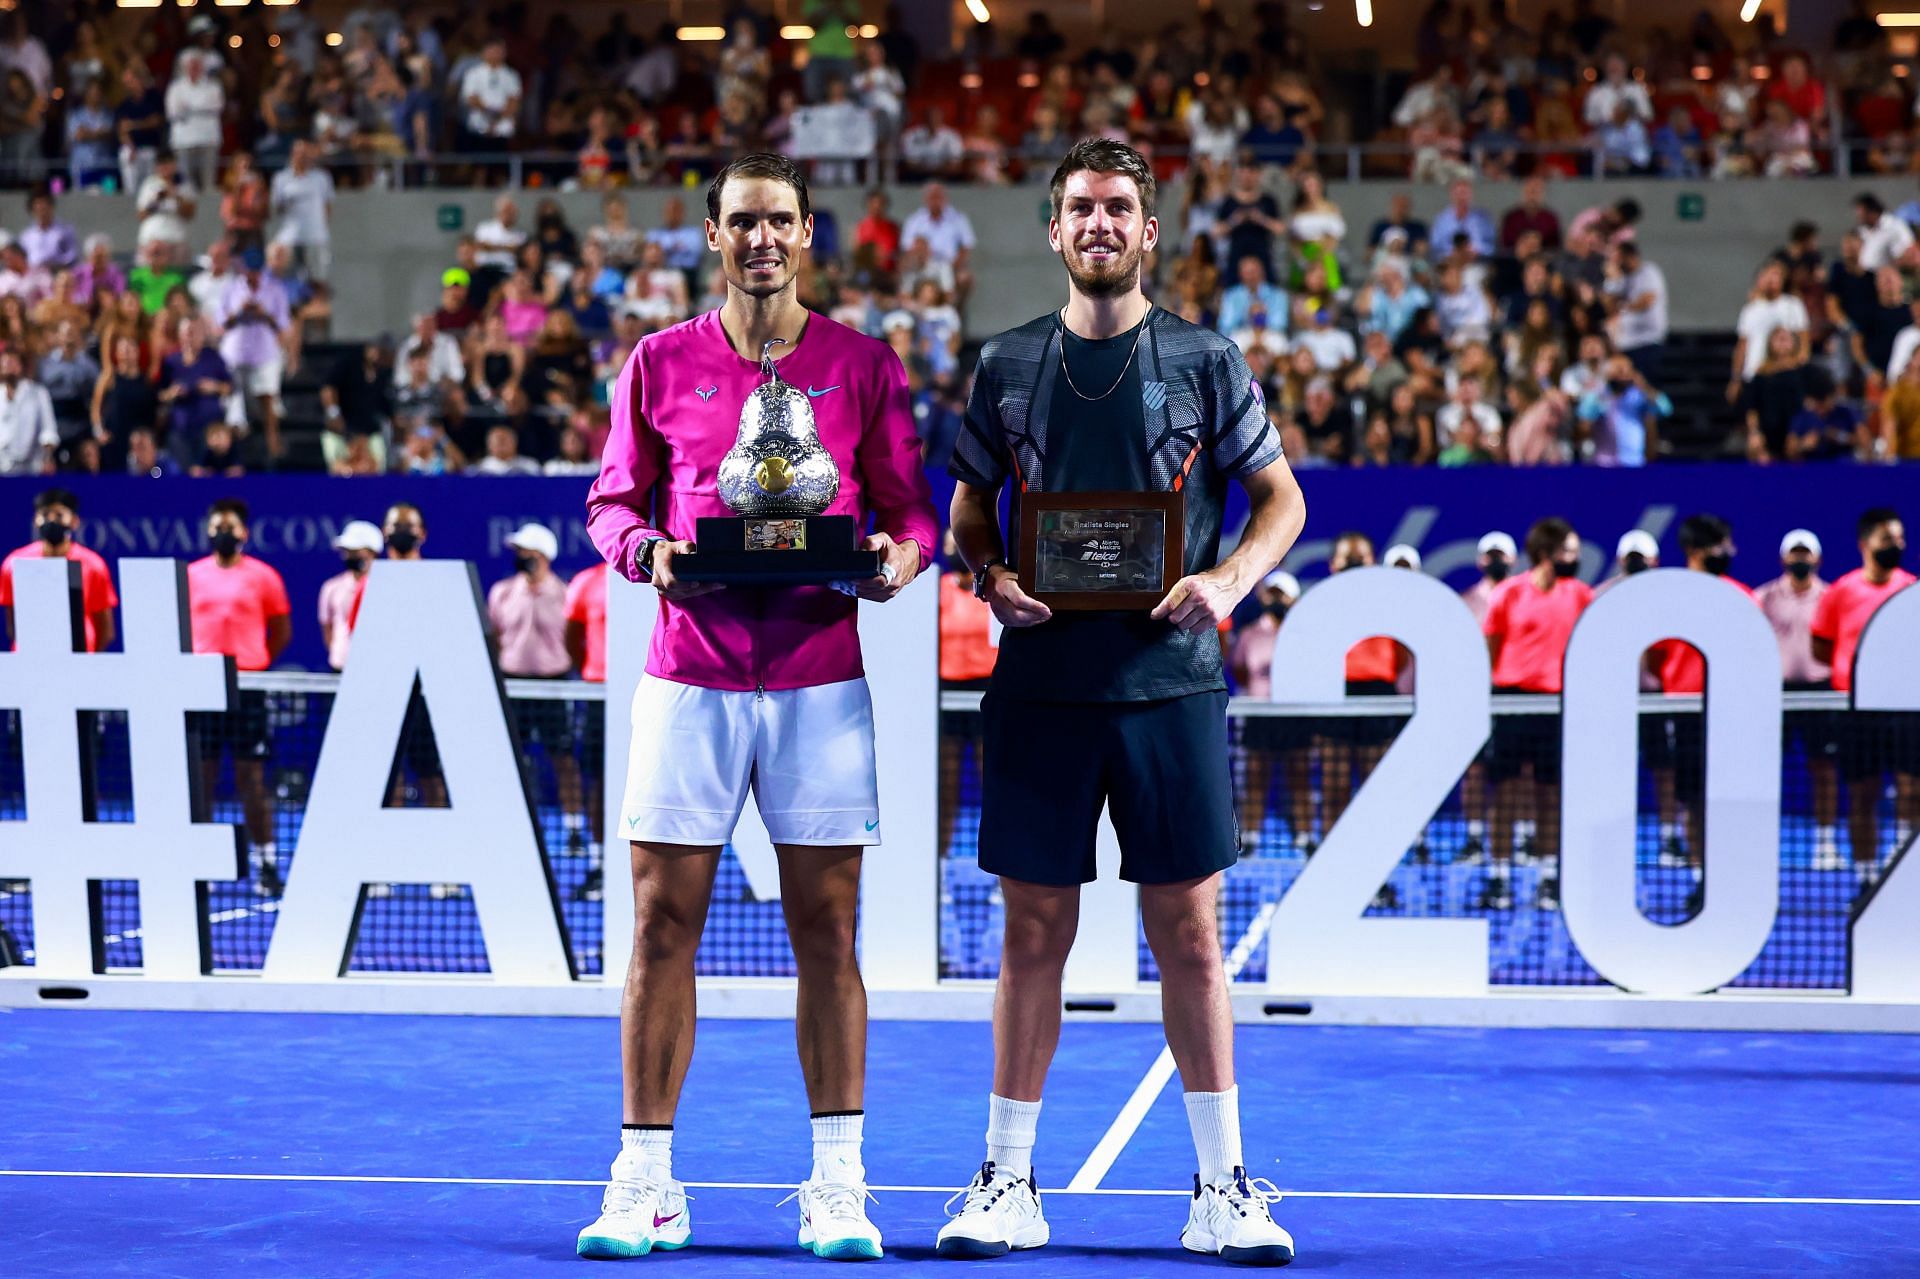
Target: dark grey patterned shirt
{"type": "Point", "coordinates": [1204, 423]}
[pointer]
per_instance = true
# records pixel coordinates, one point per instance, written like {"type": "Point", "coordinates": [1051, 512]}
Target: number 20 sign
{"type": "Point", "coordinates": [1321, 944]}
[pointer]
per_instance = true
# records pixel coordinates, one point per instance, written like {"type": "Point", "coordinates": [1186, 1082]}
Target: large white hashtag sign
{"type": "Point", "coordinates": [156, 681]}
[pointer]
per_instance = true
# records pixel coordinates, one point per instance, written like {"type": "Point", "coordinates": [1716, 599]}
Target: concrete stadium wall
{"type": "Point", "coordinates": [388, 246]}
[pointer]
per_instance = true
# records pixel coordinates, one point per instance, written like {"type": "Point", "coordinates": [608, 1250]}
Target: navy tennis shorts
{"type": "Point", "coordinates": [1161, 767]}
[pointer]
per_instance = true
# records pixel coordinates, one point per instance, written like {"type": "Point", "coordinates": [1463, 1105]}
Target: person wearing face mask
{"type": "Point", "coordinates": [528, 613]}
{"type": "Point", "coordinates": [1681, 671]}
{"type": "Point", "coordinates": [1790, 601]}
{"type": "Point", "coordinates": [56, 529]}
{"type": "Point", "coordinates": [1871, 744]}
{"type": "Point", "coordinates": [239, 608]}
{"type": "Point", "coordinates": [1495, 558]}
{"type": "Point", "coordinates": [359, 545]}
{"type": "Point", "coordinates": [405, 531]}
{"type": "Point", "coordinates": [1269, 739]}
{"type": "Point", "coordinates": [1528, 623]}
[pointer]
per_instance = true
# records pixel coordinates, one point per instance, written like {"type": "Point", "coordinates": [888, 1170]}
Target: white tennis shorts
{"type": "Point", "coordinates": [805, 753]}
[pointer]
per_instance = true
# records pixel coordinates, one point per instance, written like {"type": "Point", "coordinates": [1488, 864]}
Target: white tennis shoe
{"type": "Point", "coordinates": [1000, 1213]}
{"type": "Point", "coordinates": [1232, 1218]}
{"type": "Point", "coordinates": [833, 1216]}
{"type": "Point", "coordinates": [643, 1208]}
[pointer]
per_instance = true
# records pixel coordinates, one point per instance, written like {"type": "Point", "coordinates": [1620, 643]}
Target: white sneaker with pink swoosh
{"type": "Point", "coordinates": [643, 1208]}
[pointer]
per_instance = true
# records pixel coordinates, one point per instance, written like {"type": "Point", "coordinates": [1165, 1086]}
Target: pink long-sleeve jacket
{"type": "Point", "coordinates": [676, 412]}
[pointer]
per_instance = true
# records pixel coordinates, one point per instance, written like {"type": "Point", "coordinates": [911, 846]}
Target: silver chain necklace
{"type": "Point", "coordinates": [1123, 368]}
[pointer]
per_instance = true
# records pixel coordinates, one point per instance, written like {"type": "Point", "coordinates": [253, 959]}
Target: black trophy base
{"type": "Point", "coordinates": [795, 550]}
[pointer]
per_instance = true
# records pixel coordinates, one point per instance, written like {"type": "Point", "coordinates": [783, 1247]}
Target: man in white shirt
{"type": "Point", "coordinates": [302, 198]}
{"type": "Point", "coordinates": [20, 278]}
{"type": "Point", "coordinates": [165, 202]}
{"type": "Point", "coordinates": [497, 241]}
{"type": "Point", "coordinates": [490, 99]}
{"type": "Point", "coordinates": [28, 433]}
{"type": "Point", "coordinates": [1616, 89]}
{"type": "Point", "coordinates": [1636, 292]}
{"type": "Point", "coordinates": [1885, 240]}
{"type": "Point", "coordinates": [1768, 307]}
{"type": "Point", "coordinates": [1332, 347]}
{"type": "Point", "coordinates": [1467, 403]}
{"type": "Point", "coordinates": [209, 283]}
{"type": "Point", "coordinates": [195, 101]}
{"type": "Point", "coordinates": [1905, 343]}
{"type": "Point", "coordinates": [948, 236]}
{"type": "Point", "coordinates": [444, 363]}
{"type": "Point", "coordinates": [933, 148]}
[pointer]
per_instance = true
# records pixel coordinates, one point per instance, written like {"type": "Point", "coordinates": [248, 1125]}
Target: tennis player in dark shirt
{"type": "Point", "coordinates": [1117, 709]}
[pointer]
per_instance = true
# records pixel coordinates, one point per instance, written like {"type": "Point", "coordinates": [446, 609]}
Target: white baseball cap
{"type": "Point", "coordinates": [1501, 542]}
{"type": "Point", "coordinates": [359, 535]}
{"type": "Point", "coordinates": [1801, 537]}
{"type": "Point", "coordinates": [1636, 539]}
{"type": "Point", "coordinates": [1289, 584]}
{"type": "Point", "coordinates": [1401, 555]}
{"type": "Point", "coordinates": [536, 537]}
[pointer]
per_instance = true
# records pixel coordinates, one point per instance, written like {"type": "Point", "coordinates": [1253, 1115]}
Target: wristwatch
{"type": "Point", "coordinates": [643, 559]}
{"type": "Point", "coordinates": [983, 575]}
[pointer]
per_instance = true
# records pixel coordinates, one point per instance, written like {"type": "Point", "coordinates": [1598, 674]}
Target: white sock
{"type": "Point", "coordinates": [1668, 830]}
{"type": "Point", "coordinates": [836, 1146]}
{"type": "Point", "coordinates": [654, 1142]}
{"type": "Point", "coordinates": [573, 821]}
{"type": "Point", "coordinates": [267, 854]}
{"type": "Point", "coordinates": [1011, 1126]}
{"type": "Point", "coordinates": [1476, 829]}
{"type": "Point", "coordinates": [1215, 1120]}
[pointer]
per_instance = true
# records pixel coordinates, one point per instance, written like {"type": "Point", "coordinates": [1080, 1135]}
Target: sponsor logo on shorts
{"type": "Point", "coordinates": [633, 821]}
{"type": "Point", "coordinates": [874, 823]}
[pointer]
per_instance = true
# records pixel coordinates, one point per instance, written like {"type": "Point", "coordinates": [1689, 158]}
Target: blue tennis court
{"type": "Point", "coordinates": [210, 1144]}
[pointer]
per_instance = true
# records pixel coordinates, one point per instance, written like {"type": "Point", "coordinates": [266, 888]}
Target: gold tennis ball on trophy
{"type": "Point", "coordinates": [774, 474]}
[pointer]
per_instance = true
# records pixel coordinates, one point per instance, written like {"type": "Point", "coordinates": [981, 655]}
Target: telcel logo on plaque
{"type": "Point", "coordinates": [1101, 550]}
{"type": "Point", "coordinates": [779, 478]}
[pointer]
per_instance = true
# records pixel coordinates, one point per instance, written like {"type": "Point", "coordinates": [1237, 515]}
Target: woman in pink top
{"type": "Point", "coordinates": [522, 309]}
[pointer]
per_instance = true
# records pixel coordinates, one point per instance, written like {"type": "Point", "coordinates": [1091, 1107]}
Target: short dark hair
{"type": "Point", "coordinates": [1802, 230]}
{"type": "Point", "coordinates": [1869, 201]}
{"type": "Point", "coordinates": [760, 164]}
{"type": "Point", "coordinates": [1628, 210]}
{"type": "Point", "coordinates": [1103, 155]}
{"type": "Point", "coordinates": [1353, 535]}
{"type": "Point", "coordinates": [1698, 532]}
{"type": "Point", "coordinates": [234, 506]}
{"type": "Point", "coordinates": [46, 499]}
{"type": "Point", "coordinates": [1544, 539]}
{"type": "Point", "coordinates": [1872, 518]}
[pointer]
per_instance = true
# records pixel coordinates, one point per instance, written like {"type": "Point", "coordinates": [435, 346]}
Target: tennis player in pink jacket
{"type": "Point", "coordinates": [757, 688]}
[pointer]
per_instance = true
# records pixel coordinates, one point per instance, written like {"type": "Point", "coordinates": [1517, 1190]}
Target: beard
{"type": "Point", "coordinates": [763, 286]}
{"type": "Point", "coordinates": [1120, 274]}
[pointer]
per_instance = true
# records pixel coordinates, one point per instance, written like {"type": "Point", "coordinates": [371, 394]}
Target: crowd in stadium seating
{"type": "Point", "coordinates": [96, 91]}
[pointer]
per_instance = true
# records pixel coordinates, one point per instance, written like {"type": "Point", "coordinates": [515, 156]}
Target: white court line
{"type": "Point", "coordinates": [337, 1178]}
{"type": "Point", "coordinates": [1127, 1122]}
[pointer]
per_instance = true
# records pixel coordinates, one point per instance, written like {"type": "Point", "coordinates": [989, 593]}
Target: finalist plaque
{"type": "Point", "coordinates": [778, 478]}
{"type": "Point", "coordinates": [1115, 551]}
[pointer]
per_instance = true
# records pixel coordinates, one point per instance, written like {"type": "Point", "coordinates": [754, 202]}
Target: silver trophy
{"type": "Point", "coordinates": [779, 478]}
{"type": "Point", "coordinates": [776, 465]}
